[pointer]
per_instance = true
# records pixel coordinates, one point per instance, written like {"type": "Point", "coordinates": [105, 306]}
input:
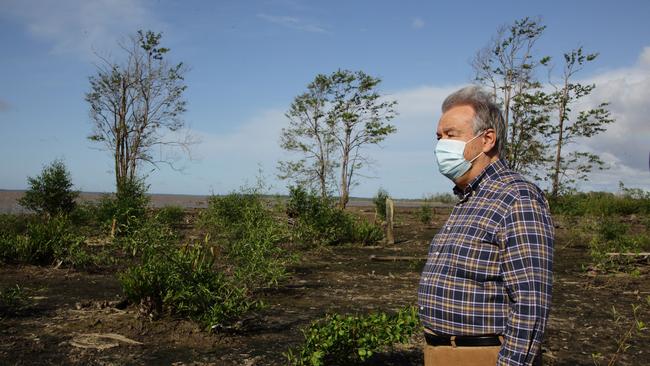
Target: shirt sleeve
{"type": "Point", "coordinates": [527, 269]}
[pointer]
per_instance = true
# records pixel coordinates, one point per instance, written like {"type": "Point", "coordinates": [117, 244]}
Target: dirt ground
{"type": "Point", "coordinates": [76, 317]}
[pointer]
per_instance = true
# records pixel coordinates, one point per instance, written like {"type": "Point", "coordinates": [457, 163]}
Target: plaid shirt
{"type": "Point", "coordinates": [489, 269]}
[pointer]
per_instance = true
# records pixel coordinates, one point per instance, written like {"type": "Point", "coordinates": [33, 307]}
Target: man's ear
{"type": "Point", "coordinates": [489, 140]}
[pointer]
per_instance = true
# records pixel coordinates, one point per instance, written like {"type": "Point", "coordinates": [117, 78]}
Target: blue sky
{"type": "Point", "coordinates": [249, 59]}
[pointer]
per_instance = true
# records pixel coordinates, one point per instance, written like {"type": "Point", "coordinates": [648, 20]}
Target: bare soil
{"type": "Point", "coordinates": [76, 317]}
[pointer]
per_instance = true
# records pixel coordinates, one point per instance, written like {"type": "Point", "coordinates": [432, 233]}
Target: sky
{"type": "Point", "coordinates": [248, 60]}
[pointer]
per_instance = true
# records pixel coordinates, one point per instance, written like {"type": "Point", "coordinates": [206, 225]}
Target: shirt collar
{"type": "Point", "coordinates": [490, 172]}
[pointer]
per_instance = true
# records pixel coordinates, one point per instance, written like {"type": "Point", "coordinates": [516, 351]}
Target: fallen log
{"type": "Point", "coordinates": [643, 254]}
{"type": "Point", "coordinates": [394, 258]}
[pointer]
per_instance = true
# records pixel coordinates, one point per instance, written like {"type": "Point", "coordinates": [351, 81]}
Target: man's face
{"type": "Point", "coordinates": [456, 124]}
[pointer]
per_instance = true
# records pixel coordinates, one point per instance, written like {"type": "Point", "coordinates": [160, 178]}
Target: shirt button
{"type": "Point", "coordinates": [448, 228]}
{"type": "Point", "coordinates": [421, 307]}
{"type": "Point", "coordinates": [436, 253]}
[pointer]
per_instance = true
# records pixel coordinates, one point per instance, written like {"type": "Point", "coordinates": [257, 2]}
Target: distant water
{"type": "Point", "coordinates": [9, 204]}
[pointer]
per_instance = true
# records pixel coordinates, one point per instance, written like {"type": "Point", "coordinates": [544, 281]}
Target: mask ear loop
{"type": "Point", "coordinates": [477, 156]}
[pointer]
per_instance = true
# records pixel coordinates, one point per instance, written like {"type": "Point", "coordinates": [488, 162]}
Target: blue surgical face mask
{"type": "Point", "coordinates": [451, 158]}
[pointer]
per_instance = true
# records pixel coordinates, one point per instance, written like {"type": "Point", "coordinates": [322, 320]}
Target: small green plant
{"type": "Point", "coordinates": [612, 245]}
{"type": "Point", "coordinates": [342, 340]}
{"type": "Point", "coordinates": [51, 192]}
{"type": "Point", "coordinates": [380, 203]}
{"type": "Point", "coordinates": [171, 216]}
{"type": "Point", "coordinates": [12, 300]}
{"type": "Point", "coordinates": [425, 212]}
{"type": "Point", "coordinates": [365, 232]}
{"type": "Point", "coordinates": [636, 326]}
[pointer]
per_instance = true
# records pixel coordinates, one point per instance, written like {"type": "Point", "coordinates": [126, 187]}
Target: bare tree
{"type": "Point", "coordinates": [567, 168]}
{"type": "Point", "coordinates": [137, 104]}
{"type": "Point", "coordinates": [507, 66]}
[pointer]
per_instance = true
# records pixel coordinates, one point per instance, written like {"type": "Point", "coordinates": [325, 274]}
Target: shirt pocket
{"type": "Point", "coordinates": [475, 254]}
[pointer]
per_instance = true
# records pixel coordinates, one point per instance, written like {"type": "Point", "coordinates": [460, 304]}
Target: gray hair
{"type": "Point", "coordinates": [487, 112]}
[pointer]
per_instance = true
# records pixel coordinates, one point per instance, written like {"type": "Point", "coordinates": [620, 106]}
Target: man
{"type": "Point", "coordinates": [485, 291]}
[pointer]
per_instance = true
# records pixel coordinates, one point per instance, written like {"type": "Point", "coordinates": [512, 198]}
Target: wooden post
{"type": "Point", "coordinates": [113, 227]}
{"type": "Point", "coordinates": [390, 209]}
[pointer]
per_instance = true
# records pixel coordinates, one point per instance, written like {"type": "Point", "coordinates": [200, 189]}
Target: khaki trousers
{"type": "Point", "coordinates": [460, 356]}
{"type": "Point", "coordinates": [465, 356]}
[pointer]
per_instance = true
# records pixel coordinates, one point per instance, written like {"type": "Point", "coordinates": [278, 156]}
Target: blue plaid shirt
{"type": "Point", "coordinates": [489, 269]}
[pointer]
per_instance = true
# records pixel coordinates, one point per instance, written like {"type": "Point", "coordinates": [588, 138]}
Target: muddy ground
{"type": "Point", "coordinates": [70, 308]}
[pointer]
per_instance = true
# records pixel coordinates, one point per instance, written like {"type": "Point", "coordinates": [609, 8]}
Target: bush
{"type": "Point", "coordinates": [250, 234]}
{"type": "Point", "coordinates": [12, 300]}
{"type": "Point", "coordinates": [171, 216]}
{"type": "Point", "coordinates": [365, 232]}
{"type": "Point", "coordinates": [424, 214]}
{"type": "Point", "coordinates": [342, 340]}
{"type": "Point", "coordinates": [319, 221]}
{"type": "Point", "coordinates": [128, 207]}
{"type": "Point", "coordinates": [380, 203]}
{"type": "Point", "coordinates": [612, 236]}
{"type": "Point", "coordinates": [184, 282]}
{"type": "Point", "coordinates": [51, 192]}
{"type": "Point", "coordinates": [45, 243]}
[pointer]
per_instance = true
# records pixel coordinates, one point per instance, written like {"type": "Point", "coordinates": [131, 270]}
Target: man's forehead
{"type": "Point", "coordinates": [456, 119]}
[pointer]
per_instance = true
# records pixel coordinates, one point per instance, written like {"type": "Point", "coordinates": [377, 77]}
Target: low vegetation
{"type": "Point", "coordinates": [12, 301]}
{"type": "Point", "coordinates": [319, 221]}
{"type": "Point", "coordinates": [343, 340]}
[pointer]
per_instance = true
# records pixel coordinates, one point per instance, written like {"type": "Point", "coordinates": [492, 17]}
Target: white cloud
{"type": "Point", "coordinates": [293, 23]}
{"type": "Point", "coordinates": [417, 23]}
{"type": "Point", "coordinates": [625, 145]}
{"type": "Point", "coordinates": [78, 26]}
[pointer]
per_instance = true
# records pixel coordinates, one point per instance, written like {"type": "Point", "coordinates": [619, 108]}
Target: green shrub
{"type": "Point", "coordinates": [184, 282]}
{"type": "Point", "coordinates": [51, 192]}
{"type": "Point", "coordinates": [128, 207]}
{"type": "Point", "coordinates": [45, 243]}
{"type": "Point", "coordinates": [12, 300]}
{"type": "Point", "coordinates": [365, 232]}
{"type": "Point", "coordinates": [424, 213]}
{"type": "Point", "coordinates": [250, 234]}
{"type": "Point", "coordinates": [342, 340]}
{"type": "Point", "coordinates": [612, 236]}
{"type": "Point", "coordinates": [171, 216]}
{"type": "Point", "coordinates": [380, 203]}
{"type": "Point", "coordinates": [318, 221]}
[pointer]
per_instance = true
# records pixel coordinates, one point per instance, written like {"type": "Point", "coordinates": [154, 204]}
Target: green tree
{"type": "Point", "coordinates": [508, 67]}
{"type": "Point", "coordinates": [50, 193]}
{"type": "Point", "coordinates": [311, 136]}
{"type": "Point", "coordinates": [136, 104]}
{"type": "Point", "coordinates": [340, 114]}
{"type": "Point", "coordinates": [569, 167]}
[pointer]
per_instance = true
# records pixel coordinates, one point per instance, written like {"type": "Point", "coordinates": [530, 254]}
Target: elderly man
{"type": "Point", "coordinates": [485, 291]}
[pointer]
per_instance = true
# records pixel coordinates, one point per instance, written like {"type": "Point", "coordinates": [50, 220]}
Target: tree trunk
{"type": "Point", "coordinates": [558, 152]}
